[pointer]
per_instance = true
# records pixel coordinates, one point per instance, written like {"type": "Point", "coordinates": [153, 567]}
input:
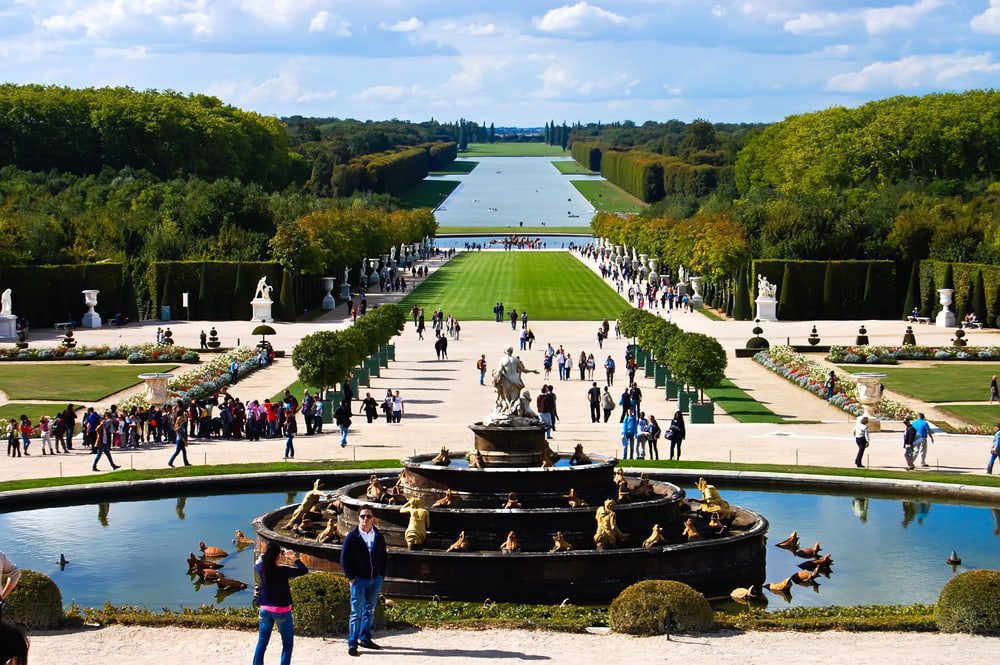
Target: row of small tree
{"type": "Point", "coordinates": [694, 359]}
{"type": "Point", "coordinates": [325, 358]}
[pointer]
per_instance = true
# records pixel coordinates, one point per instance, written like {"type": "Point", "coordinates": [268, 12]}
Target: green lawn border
{"type": "Point", "coordinates": [748, 410]}
{"type": "Point", "coordinates": [428, 193]}
{"type": "Point", "coordinates": [619, 200]}
{"type": "Point", "coordinates": [457, 167]}
{"type": "Point", "coordinates": [125, 384]}
{"type": "Point", "coordinates": [512, 149]}
{"type": "Point", "coordinates": [572, 167]}
{"type": "Point", "coordinates": [710, 313]}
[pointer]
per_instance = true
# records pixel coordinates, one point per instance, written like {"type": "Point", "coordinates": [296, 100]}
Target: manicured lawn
{"type": "Point", "coordinates": [941, 382]}
{"type": "Point", "coordinates": [710, 313]}
{"type": "Point", "coordinates": [428, 193]}
{"type": "Point", "coordinates": [607, 197]}
{"type": "Point", "coordinates": [985, 415]}
{"type": "Point", "coordinates": [71, 382]}
{"type": "Point", "coordinates": [740, 405]}
{"type": "Point", "coordinates": [551, 286]}
{"type": "Point", "coordinates": [572, 168]}
{"type": "Point", "coordinates": [30, 409]}
{"type": "Point", "coordinates": [458, 167]}
{"type": "Point", "coordinates": [513, 150]}
{"type": "Point", "coordinates": [523, 230]}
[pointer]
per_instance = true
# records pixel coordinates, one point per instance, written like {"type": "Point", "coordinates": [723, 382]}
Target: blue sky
{"type": "Point", "coordinates": [513, 62]}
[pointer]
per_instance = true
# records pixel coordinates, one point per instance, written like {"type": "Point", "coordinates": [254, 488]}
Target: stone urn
{"type": "Point", "coordinates": [869, 392]}
{"type": "Point", "coordinates": [373, 279]}
{"type": "Point", "coordinates": [91, 319]}
{"type": "Point", "coordinates": [654, 277]}
{"type": "Point", "coordinates": [644, 260]}
{"type": "Point", "coordinates": [697, 301]}
{"type": "Point", "coordinates": [328, 300]}
{"type": "Point", "coordinates": [157, 393]}
{"type": "Point", "coordinates": [945, 318]}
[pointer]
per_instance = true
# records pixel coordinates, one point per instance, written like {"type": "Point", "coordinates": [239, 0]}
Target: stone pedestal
{"type": "Point", "coordinates": [945, 318]}
{"type": "Point", "coordinates": [328, 300]}
{"type": "Point", "coordinates": [8, 327]}
{"type": "Point", "coordinates": [262, 310]}
{"type": "Point", "coordinates": [91, 319]}
{"type": "Point", "coordinates": [767, 308]}
{"type": "Point", "coordinates": [157, 393]}
{"type": "Point", "coordinates": [696, 299]}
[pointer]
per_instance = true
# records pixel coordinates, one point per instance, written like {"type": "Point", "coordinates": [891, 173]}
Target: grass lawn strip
{"type": "Point", "coordinates": [540, 231]}
{"type": "Point", "coordinates": [738, 404]}
{"type": "Point", "coordinates": [71, 382]}
{"type": "Point", "coordinates": [196, 471]}
{"type": "Point", "coordinates": [710, 313]}
{"type": "Point", "coordinates": [32, 410]}
{"type": "Point", "coordinates": [551, 286]}
{"type": "Point", "coordinates": [573, 168]}
{"type": "Point", "coordinates": [942, 382]}
{"type": "Point", "coordinates": [428, 193]}
{"type": "Point", "coordinates": [984, 415]}
{"type": "Point", "coordinates": [458, 167]}
{"type": "Point", "coordinates": [512, 150]}
{"type": "Point", "coordinates": [606, 197]}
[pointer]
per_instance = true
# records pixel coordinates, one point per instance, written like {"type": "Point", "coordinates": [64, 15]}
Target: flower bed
{"type": "Point", "coordinates": [891, 355]}
{"type": "Point", "coordinates": [204, 380]}
{"type": "Point", "coordinates": [144, 353]}
{"type": "Point", "coordinates": [807, 374]}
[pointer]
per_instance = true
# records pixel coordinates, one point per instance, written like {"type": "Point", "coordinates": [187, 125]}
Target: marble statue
{"type": "Point", "coordinates": [263, 290]}
{"type": "Point", "coordinates": [681, 275]}
{"type": "Point", "coordinates": [765, 289]}
{"type": "Point", "coordinates": [5, 306]}
{"type": "Point", "coordinates": [608, 532]}
{"type": "Point", "coordinates": [347, 274]}
{"type": "Point", "coordinates": [392, 253]}
{"type": "Point", "coordinates": [420, 519]}
{"type": "Point", "coordinates": [509, 384]}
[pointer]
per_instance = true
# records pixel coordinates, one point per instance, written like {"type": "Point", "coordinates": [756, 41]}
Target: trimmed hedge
{"type": "Point", "coordinates": [321, 603]}
{"type": "Point", "coordinates": [646, 608]}
{"type": "Point", "coordinates": [637, 172]}
{"type": "Point", "coordinates": [970, 603]}
{"type": "Point", "coordinates": [35, 602]}
{"type": "Point", "coordinates": [587, 154]}
{"type": "Point", "coordinates": [651, 176]}
{"type": "Point", "coordinates": [965, 277]}
{"type": "Point", "coordinates": [49, 294]}
{"type": "Point", "coordinates": [392, 171]}
{"type": "Point", "coordinates": [440, 154]}
{"type": "Point", "coordinates": [842, 290]}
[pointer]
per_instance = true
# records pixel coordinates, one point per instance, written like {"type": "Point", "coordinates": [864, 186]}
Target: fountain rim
{"type": "Point", "coordinates": [413, 462]}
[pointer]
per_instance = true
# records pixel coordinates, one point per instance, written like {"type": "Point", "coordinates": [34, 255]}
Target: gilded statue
{"type": "Point", "coordinates": [375, 491]}
{"type": "Point", "coordinates": [559, 543]}
{"type": "Point", "coordinates": [510, 546]}
{"type": "Point", "coordinates": [608, 533]}
{"type": "Point", "coordinates": [619, 476]}
{"type": "Point", "coordinates": [624, 493]}
{"type": "Point", "coordinates": [712, 501]}
{"type": "Point", "coordinates": [476, 460]}
{"type": "Point", "coordinates": [512, 501]}
{"type": "Point", "coordinates": [549, 456]}
{"type": "Point", "coordinates": [644, 489]}
{"type": "Point", "coordinates": [460, 545]}
{"type": "Point", "coordinates": [656, 537]}
{"type": "Point", "coordinates": [690, 531]}
{"type": "Point", "coordinates": [309, 504]}
{"type": "Point", "coordinates": [447, 501]}
{"type": "Point", "coordinates": [329, 534]}
{"type": "Point", "coordinates": [443, 458]}
{"type": "Point", "coordinates": [579, 457]}
{"type": "Point", "coordinates": [573, 499]}
{"type": "Point", "coordinates": [420, 520]}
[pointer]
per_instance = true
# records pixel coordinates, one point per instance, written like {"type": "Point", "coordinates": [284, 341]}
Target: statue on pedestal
{"type": "Point", "coordinates": [765, 289]}
{"type": "Point", "coordinates": [263, 290]}
{"type": "Point", "coordinates": [509, 385]}
{"type": "Point", "coordinates": [5, 306]}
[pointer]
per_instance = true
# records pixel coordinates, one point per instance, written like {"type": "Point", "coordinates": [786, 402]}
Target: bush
{"type": "Point", "coordinates": [36, 602]}
{"type": "Point", "coordinates": [322, 604]}
{"type": "Point", "coordinates": [644, 609]}
{"type": "Point", "coordinates": [970, 603]}
{"type": "Point", "coordinates": [758, 343]}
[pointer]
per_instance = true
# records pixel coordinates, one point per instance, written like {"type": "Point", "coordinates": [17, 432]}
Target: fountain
{"type": "Point", "coordinates": [869, 393]}
{"type": "Point", "coordinates": [579, 521]}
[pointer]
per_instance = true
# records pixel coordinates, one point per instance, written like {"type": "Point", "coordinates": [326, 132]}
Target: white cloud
{"type": "Point", "coordinates": [718, 11]}
{"type": "Point", "coordinates": [100, 20]}
{"type": "Point", "coordinates": [672, 90]}
{"type": "Point", "coordinates": [988, 21]}
{"type": "Point", "coordinates": [579, 18]}
{"type": "Point", "coordinates": [914, 72]}
{"type": "Point", "coordinates": [324, 21]}
{"type": "Point", "coordinates": [282, 89]}
{"type": "Point", "coordinates": [479, 29]}
{"type": "Point", "coordinates": [131, 53]}
{"type": "Point", "coordinates": [875, 20]}
{"type": "Point", "coordinates": [409, 25]}
{"type": "Point", "coordinates": [388, 93]}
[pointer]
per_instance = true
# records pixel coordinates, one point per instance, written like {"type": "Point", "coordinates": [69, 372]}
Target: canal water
{"type": "Point", "coordinates": [509, 191]}
{"type": "Point", "coordinates": [889, 551]}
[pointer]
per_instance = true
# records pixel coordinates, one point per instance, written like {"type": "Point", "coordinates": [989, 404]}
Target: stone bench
{"type": "Point", "coordinates": [972, 324]}
{"type": "Point", "coordinates": [65, 325]}
{"type": "Point", "coordinates": [918, 319]}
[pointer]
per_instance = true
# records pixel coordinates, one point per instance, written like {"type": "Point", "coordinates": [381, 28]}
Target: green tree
{"type": "Point", "coordinates": [697, 360]}
{"type": "Point", "coordinates": [912, 291]}
{"type": "Point", "coordinates": [979, 299]}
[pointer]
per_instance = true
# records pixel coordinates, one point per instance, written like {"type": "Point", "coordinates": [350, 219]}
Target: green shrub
{"type": "Point", "coordinates": [970, 603]}
{"type": "Point", "coordinates": [35, 603]}
{"type": "Point", "coordinates": [646, 607]}
{"type": "Point", "coordinates": [322, 604]}
{"type": "Point", "coordinates": [758, 343]}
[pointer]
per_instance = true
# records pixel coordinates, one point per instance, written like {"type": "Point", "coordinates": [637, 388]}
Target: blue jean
{"type": "Point", "coordinates": [343, 436]}
{"type": "Point", "coordinates": [364, 595]}
{"type": "Point", "coordinates": [179, 449]}
{"type": "Point", "coordinates": [285, 628]}
{"type": "Point", "coordinates": [26, 440]}
{"type": "Point", "coordinates": [993, 458]}
{"type": "Point", "coordinates": [628, 446]}
{"type": "Point", "coordinates": [289, 448]}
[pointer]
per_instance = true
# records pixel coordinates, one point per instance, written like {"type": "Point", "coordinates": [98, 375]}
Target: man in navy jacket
{"type": "Point", "coordinates": [363, 561]}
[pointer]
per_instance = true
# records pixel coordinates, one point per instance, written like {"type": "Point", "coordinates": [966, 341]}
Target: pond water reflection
{"type": "Point", "coordinates": [884, 550]}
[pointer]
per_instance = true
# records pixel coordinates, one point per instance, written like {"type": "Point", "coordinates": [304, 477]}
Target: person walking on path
{"type": "Point", "coordinates": [909, 436]}
{"type": "Point", "coordinates": [105, 436]}
{"type": "Point", "coordinates": [342, 416]}
{"type": "Point", "coordinates": [275, 600]}
{"type": "Point", "coordinates": [994, 449]}
{"type": "Point", "coordinates": [642, 436]}
{"type": "Point", "coordinates": [629, 427]}
{"type": "Point", "coordinates": [594, 397]}
{"type": "Point", "coordinates": [923, 433]}
{"type": "Point", "coordinates": [362, 559]}
{"type": "Point", "coordinates": [994, 390]}
{"type": "Point", "coordinates": [831, 385]}
{"type": "Point", "coordinates": [654, 437]}
{"type": "Point", "coordinates": [861, 439]}
{"type": "Point", "coordinates": [625, 402]}
{"type": "Point", "coordinates": [397, 408]}
{"type": "Point", "coordinates": [524, 320]}
{"type": "Point", "coordinates": [609, 370]}
{"type": "Point", "coordinates": [370, 408]}
{"type": "Point", "coordinates": [513, 319]}
{"type": "Point", "coordinates": [180, 438]}
{"type": "Point", "coordinates": [581, 365]}
{"type": "Point", "coordinates": [607, 403]}
{"type": "Point", "coordinates": [676, 433]}
{"type": "Point", "coordinates": [481, 366]}
{"type": "Point", "coordinates": [69, 422]}
{"type": "Point", "coordinates": [290, 430]}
